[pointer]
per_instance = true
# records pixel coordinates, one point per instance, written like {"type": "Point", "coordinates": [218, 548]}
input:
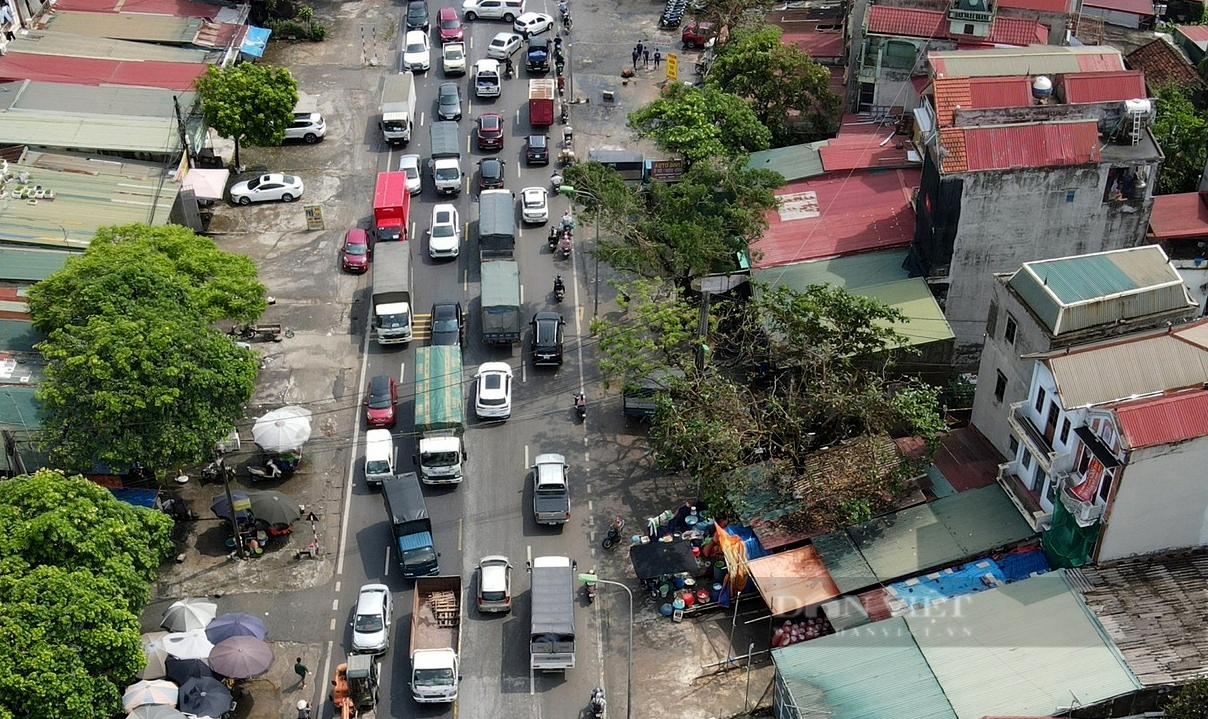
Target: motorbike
{"type": "Point", "coordinates": [552, 241]}
{"type": "Point", "coordinates": [565, 116]}
{"type": "Point", "coordinates": [555, 180]}
{"type": "Point", "coordinates": [509, 70]}
{"type": "Point", "coordinates": [564, 245]}
{"type": "Point", "coordinates": [598, 703]}
{"type": "Point", "coordinates": [581, 405]}
{"type": "Point", "coordinates": [589, 586]}
{"type": "Point", "coordinates": [562, 84]}
{"type": "Point", "coordinates": [559, 289]}
{"type": "Point", "coordinates": [567, 22]}
{"type": "Point", "coordinates": [214, 471]}
{"type": "Point", "coordinates": [614, 532]}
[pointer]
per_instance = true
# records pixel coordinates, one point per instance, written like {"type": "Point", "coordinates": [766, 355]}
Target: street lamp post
{"type": "Point", "coordinates": [573, 192]}
{"type": "Point", "coordinates": [591, 577]}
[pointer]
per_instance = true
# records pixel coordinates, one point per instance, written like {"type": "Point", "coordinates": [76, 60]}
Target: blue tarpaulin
{"type": "Point", "coordinates": [975, 576]}
{"type": "Point", "coordinates": [137, 497]}
{"type": "Point", "coordinates": [255, 41]}
{"type": "Point", "coordinates": [753, 549]}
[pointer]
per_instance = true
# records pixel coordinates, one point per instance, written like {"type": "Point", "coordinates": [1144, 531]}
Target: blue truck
{"type": "Point", "coordinates": [410, 525]}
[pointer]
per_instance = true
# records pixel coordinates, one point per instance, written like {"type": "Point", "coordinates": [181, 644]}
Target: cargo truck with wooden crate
{"type": "Point", "coordinates": [541, 102]}
{"type": "Point", "coordinates": [436, 639]}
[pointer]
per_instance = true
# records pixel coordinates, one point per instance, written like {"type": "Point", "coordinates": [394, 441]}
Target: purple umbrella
{"type": "Point", "coordinates": [241, 657]}
{"type": "Point", "coordinates": [236, 624]}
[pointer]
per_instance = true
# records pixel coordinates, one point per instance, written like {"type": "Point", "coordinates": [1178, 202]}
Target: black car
{"type": "Point", "coordinates": [536, 150]}
{"type": "Point", "coordinates": [547, 338]}
{"type": "Point", "coordinates": [446, 323]}
{"type": "Point", "coordinates": [536, 59]}
{"type": "Point", "coordinates": [448, 101]}
{"type": "Point", "coordinates": [490, 174]}
{"type": "Point", "coordinates": [417, 15]}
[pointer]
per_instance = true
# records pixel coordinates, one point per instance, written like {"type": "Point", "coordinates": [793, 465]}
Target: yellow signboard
{"type": "Point", "coordinates": [672, 66]}
{"type": "Point", "coordinates": [314, 217]}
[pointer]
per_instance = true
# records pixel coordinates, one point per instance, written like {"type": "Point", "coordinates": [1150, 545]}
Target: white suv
{"type": "Point", "coordinates": [507, 10]}
{"type": "Point", "coordinates": [307, 126]}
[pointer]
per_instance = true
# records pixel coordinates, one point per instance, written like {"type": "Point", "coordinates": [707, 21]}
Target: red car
{"type": "Point", "coordinates": [355, 254]}
{"type": "Point", "coordinates": [380, 399]}
{"type": "Point", "coordinates": [697, 34]}
{"type": "Point", "coordinates": [490, 131]}
{"type": "Point", "coordinates": [450, 25]}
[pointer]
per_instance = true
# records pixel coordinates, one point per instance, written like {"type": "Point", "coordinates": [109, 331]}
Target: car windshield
{"type": "Point", "coordinates": [445, 325]}
{"type": "Point", "coordinates": [440, 459]}
{"type": "Point", "coordinates": [433, 677]}
{"type": "Point", "coordinates": [369, 623]}
{"type": "Point", "coordinates": [533, 201]}
{"type": "Point", "coordinates": [442, 231]}
{"type": "Point", "coordinates": [449, 24]}
{"type": "Point", "coordinates": [490, 169]}
{"type": "Point", "coordinates": [377, 466]}
{"type": "Point", "coordinates": [419, 556]}
{"type": "Point", "coordinates": [452, 53]}
{"type": "Point", "coordinates": [379, 401]}
{"type": "Point", "coordinates": [493, 596]}
{"type": "Point", "coordinates": [447, 173]}
{"type": "Point", "coordinates": [415, 47]}
{"type": "Point", "coordinates": [412, 172]}
{"type": "Point", "coordinates": [356, 248]}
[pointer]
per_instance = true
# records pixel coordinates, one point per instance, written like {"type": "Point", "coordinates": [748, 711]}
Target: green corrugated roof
{"type": "Point", "coordinates": [128, 26]}
{"type": "Point", "coordinates": [30, 265]}
{"type": "Point", "coordinates": [844, 562]}
{"type": "Point", "coordinates": [795, 162]}
{"type": "Point", "coordinates": [48, 42]}
{"type": "Point", "coordinates": [18, 335]}
{"type": "Point", "coordinates": [19, 408]}
{"type": "Point", "coordinates": [947, 530]}
{"type": "Point", "coordinates": [870, 672]}
{"type": "Point", "coordinates": [156, 135]}
{"type": "Point", "coordinates": [923, 320]}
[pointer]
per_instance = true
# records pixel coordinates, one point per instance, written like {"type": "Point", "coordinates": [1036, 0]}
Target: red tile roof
{"type": "Point", "coordinates": [1066, 6]}
{"type": "Point", "coordinates": [1164, 420]}
{"type": "Point", "coordinates": [94, 71]}
{"type": "Point", "coordinates": [913, 22]}
{"type": "Point", "coordinates": [859, 152]}
{"type": "Point", "coordinates": [1162, 62]}
{"type": "Point", "coordinates": [828, 44]}
{"type": "Point", "coordinates": [951, 93]}
{"type": "Point", "coordinates": [839, 214]}
{"type": "Point", "coordinates": [1003, 147]}
{"type": "Point", "coordinates": [1198, 33]}
{"type": "Point", "coordinates": [181, 8]}
{"type": "Point", "coordinates": [1179, 216]}
{"type": "Point", "coordinates": [1103, 86]}
{"type": "Point", "coordinates": [1132, 7]}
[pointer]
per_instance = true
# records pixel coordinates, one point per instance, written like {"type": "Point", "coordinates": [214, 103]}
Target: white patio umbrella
{"type": "Point", "coordinates": [282, 429]}
{"type": "Point", "coordinates": [157, 655]}
{"type": "Point", "coordinates": [189, 614]}
{"type": "Point", "coordinates": [156, 711]}
{"type": "Point", "coordinates": [150, 691]}
{"type": "Point", "coordinates": [188, 645]}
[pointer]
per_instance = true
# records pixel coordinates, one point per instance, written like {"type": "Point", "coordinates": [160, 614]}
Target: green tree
{"type": "Point", "coordinates": [660, 330]}
{"type": "Point", "coordinates": [250, 102]}
{"type": "Point", "coordinates": [1189, 702]}
{"type": "Point", "coordinates": [132, 267]}
{"type": "Point", "coordinates": [732, 14]}
{"type": "Point", "coordinates": [700, 123]}
{"type": "Point", "coordinates": [788, 91]}
{"type": "Point", "coordinates": [1181, 130]}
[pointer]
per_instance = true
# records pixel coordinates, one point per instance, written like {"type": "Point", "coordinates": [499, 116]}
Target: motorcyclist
{"type": "Point", "coordinates": [553, 237]}
{"type": "Point", "coordinates": [559, 285]}
{"type": "Point", "coordinates": [567, 222]}
{"type": "Point", "coordinates": [556, 180]}
{"type": "Point", "coordinates": [508, 69]}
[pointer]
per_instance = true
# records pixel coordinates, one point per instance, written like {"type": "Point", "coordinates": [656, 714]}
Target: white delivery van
{"type": "Point", "coordinates": [379, 455]}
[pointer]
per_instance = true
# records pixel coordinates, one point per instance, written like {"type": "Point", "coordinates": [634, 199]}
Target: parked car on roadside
{"type": "Point", "coordinates": [267, 188]}
{"type": "Point", "coordinates": [355, 253]}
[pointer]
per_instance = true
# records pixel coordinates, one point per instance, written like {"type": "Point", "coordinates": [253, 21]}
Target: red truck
{"type": "Point", "coordinates": [391, 206]}
{"type": "Point", "coordinates": [541, 102]}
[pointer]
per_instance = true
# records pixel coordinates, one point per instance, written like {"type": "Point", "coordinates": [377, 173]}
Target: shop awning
{"type": "Point", "coordinates": [206, 184]}
{"type": "Point", "coordinates": [792, 580]}
{"type": "Point", "coordinates": [658, 558]}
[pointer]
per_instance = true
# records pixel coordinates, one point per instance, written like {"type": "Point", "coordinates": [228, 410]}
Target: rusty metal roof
{"type": "Point", "coordinates": [953, 93]}
{"type": "Point", "coordinates": [1181, 215]}
{"type": "Point", "coordinates": [914, 22]}
{"type": "Point", "coordinates": [1103, 86]}
{"type": "Point", "coordinates": [1004, 147]}
{"type": "Point", "coordinates": [1164, 420]}
{"type": "Point", "coordinates": [1032, 60]}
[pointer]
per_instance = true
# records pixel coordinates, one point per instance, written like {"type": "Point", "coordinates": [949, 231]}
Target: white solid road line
{"type": "Point", "coordinates": [350, 476]}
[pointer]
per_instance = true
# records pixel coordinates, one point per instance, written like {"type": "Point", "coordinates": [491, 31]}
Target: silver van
{"type": "Point", "coordinates": [379, 455]}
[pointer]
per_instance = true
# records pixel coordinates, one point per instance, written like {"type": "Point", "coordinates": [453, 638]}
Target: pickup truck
{"type": "Point", "coordinates": [436, 639]}
{"type": "Point", "coordinates": [551, 491]}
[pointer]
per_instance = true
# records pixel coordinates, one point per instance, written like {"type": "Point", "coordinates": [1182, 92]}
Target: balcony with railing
{"type": "Point", "coordinates": [1024, 499]}
{"type": "Point", "coordinates": [1031, 436]}
{"type": "Point", "coordinates": [1085, 512]}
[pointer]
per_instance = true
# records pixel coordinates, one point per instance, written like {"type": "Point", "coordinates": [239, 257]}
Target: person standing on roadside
{"type": "Point", "coordinates": [636, 54]}
{"type": "Point", "coordinates": [301, 670]}
{"type": "Point", "coordinates": [646, 58]}
{"type": "Point", "coordinates": [658, 56]}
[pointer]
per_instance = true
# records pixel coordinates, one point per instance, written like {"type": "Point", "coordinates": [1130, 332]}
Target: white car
{"type": "Point", "coordinates": [444, 239]}
{"type": "Point", "coordinates": [274, 186]}
{"type": "Point", "coordinates": [306, 126]}
{"type": "Point", "coordinates": [504, 45]}
{"type": "Point", "coordinates": [534, 205]}
{"type": "Point", "coordinates": [493, 396]}
{"type": "Point", "coordinates": [409, 164]}
{"type": "Point", "coordinates": [533, 23]}
{"type": "Point", "coordinates": [371, 620]}
{"type": "Point", "coordinates": [416, 51]}
{"type": "Point", "coordinates": [494, 584]}
{"type": "Point", "coordinates": [453, 58]}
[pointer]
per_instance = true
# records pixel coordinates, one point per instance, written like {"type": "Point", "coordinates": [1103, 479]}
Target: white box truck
{"type": "Point", "coordinates": [398, 108]}
{"type": "Point", "coordinates": [392, 318]}
{"type": "Point", "coordinates": [446, 157]}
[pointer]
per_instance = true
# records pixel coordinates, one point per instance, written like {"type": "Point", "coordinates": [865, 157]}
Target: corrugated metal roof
{"type": "Point", "coordinates": [48, 42]}
{"type": "Point", "coordinates": [824, 44]}
{"type": "Point", "coordinates": [1164, 420]}
{"type": "Point", "coordinates": [1152, 608]}
{"type": "Point", "coordinates": [91, 71]}
{"type": "Point", "coordinates": [19, 264]}
{"type": "Point", "coordinates": [105, 133]}
{"type": "Point", "coordinates": [183, 8]}
{"type": "Point", "coordinates": [1103, 86]}
{"type": "Point", "coordinates": [914, 22]}
{"type": "Point", "coordinates": [1131, 367]}
{"type": "Point", "coordinates": [19, 407]}
{"type": "Point", "coordinates": [1032, 60]}
{"type": "Point", "coordinates": [839, 214]}
{"type": "Point", "coordinates": [859, 152]}
{"type": "Point", "coordinates": [952, 93]}
{"type": "Point", "coordinates": [1072, 293]}
{"type": "Point", "coordinates": [1066, 6]}
{"type": "Point", "coordinates": [792, 580]}
{"type": "Point", "coordinates": [843, 560]}
{"type": "Point", "coordinates": [860, 673]}
{"type": "Point", "coordinates": [1029, 648]}
{"type": "Point", "coordinates": [1134, 7]}
{"type": "Point", "coordinates": [1003, 147]}
{"type": "Point", "coordinates": [950, 529]}
{"type": "Point", "coordinates": [143, 102]}
{"type": "Point", "coordinates": [1162, 62]}
{"type": "Point", "coordinates": [127, 26]}
{"type": "Point", "coordinates": [1197, 33]}
{"type": "Point", "coordinates": [795, 162]}
{"type": "Point", "coordinates": [19, 336]}
{"type": "Point", "coordinates": [1181, 215]}
{"type": "Point", "coordinates": [923, 320]}
{"type": "Point", "coordinates": [852, 272]}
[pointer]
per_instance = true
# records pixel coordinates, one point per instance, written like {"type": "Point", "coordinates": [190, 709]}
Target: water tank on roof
{"type": "Point", "coordinates": [1042, 88]}
{"type": "Point", "coordinates": [1138, 106]}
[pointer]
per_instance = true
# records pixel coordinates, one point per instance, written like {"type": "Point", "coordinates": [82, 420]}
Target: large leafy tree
{"type": "Point", "coordinates": [700, 123]}
{"type": "Point", "coordinates": [788, 91]}
{"type": "Point", "coordinates": [1189, 702]}
{"type": "Point", "coordinates": [75, 568]}
{"type": "Point", "coordinates": [135, 369]}
{"type": "Point", "coordinates": [250, 102]}
{"type": "Point", "coordinates": [732, 14]}
{"type": "Point", "coordinates": [1181, 130]}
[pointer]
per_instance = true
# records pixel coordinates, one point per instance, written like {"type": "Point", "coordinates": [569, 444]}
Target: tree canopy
{"type": "Point", "coordinates": [1190, 701]}
{"type": "Point", "coordinates": [700, 123]}
{"type": "Point", "coordinates": [76, 566]}
{"type": "Point", "coordinates": [250, 102]}
{"type": "Point", "coordinates": [1181, 130]}
{"type": "Point", "coordinates": [788, 91]}
{"type": "Point", "coordinates": [135, 370]}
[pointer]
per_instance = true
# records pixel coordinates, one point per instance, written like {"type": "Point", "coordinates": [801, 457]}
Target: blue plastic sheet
{"type": "Point", "coordinates": [137, 497]}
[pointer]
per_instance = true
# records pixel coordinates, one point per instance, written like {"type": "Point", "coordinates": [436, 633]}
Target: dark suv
{"type": "Point", "coordinates": [536, 150]}
{"type": "Point", "coordinates": [547, 338]}
{"type": "Point", "coordinates": [537, 57]}
{"type": "Point", "coordinates": [417, 15]}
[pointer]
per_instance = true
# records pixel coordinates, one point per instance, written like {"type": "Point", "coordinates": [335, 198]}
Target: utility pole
{"type": "Point", "coordinates": [703, 330]}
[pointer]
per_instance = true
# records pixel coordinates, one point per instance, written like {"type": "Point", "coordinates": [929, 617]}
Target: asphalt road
{"type": "Point", "coordinates": [489, 513]}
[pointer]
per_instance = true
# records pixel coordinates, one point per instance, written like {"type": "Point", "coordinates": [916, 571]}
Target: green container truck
{"type": "Point", "coordinates": [440, 418]}
{"type": "Point", "coordinates": [500, 302]}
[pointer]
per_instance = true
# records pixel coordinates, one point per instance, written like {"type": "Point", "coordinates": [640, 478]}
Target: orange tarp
{"type": "Point", "coordinates": [792, 580]}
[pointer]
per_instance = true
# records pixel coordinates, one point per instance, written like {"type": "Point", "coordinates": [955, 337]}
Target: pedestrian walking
{"type": "Point", "coordinates": [658, 56]}
{"type": "Point", "coordinates": [303, 709]}
{"type": "Point", "coordinates": [646, 58]}
{"type": "Point", "coordinates": [301, 670]}
{"type": "Point", "coordinates": [636, 54]}
{"type": "Point", "coordinates": [640, 47]}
